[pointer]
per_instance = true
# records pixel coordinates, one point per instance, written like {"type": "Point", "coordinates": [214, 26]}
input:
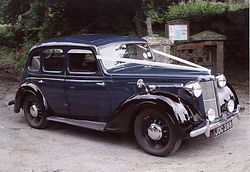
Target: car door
{"type": "Point", "coordinates": [86, 89]}
{"type": "Point", "coordinates": [52, 81]}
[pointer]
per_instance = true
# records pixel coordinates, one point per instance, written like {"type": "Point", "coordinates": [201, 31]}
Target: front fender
{"type": "Point", "coordinates": [225, 94]}
{"type": "Point", "coordinates": [170, 104]}
{"type": "Point", "coordinates": [28, 88]}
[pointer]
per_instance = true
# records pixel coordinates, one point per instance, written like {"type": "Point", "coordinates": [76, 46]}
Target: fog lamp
{"type": "Point", "coordinates": [230, 105]}
{"type": "Point", "coordinates": [211, 114]}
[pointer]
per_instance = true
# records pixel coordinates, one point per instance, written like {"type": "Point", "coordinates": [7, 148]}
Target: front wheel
{"type": "Point", "coordinates": [155, 133]}
{"type": "Point", "coordinates": [33, 112]}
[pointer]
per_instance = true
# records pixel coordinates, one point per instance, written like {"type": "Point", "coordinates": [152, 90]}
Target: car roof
{"type": "Point", "coordinates": [95, 40]}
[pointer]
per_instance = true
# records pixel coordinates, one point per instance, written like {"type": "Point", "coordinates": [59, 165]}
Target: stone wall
{"type": "Point", "coordinates": [161, 44]}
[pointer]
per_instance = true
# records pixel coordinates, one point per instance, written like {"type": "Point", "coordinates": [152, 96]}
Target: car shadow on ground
{"type": "Point", "coordinates": [127, 140]}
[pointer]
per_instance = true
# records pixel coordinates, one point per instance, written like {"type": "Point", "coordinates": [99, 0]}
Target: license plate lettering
{"type": "Point", "coordinates": [223, 128]}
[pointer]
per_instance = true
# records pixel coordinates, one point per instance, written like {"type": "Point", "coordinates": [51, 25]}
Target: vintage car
{"type": "Point", "coordinates": [113, 84]}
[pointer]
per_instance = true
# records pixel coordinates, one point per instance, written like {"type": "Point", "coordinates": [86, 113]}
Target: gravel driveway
{"type": "Point", "coordinates": [66, 148]}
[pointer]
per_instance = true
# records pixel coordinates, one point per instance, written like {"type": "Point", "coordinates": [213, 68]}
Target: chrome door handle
{"type": "Point", "coordinates": [41, 81]}
{"type": "Point", "coordinates": [100, 84]}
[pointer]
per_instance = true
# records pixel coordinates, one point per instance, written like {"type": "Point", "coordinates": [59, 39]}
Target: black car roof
{"type": "Point", "coordinates": [91, 39]}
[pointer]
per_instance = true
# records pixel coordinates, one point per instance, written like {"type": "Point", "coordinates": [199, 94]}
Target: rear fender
{"type": "Point", "coordinates": [23, 91]}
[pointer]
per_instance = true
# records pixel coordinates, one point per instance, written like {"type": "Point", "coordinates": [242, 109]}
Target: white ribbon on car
{"type": "Point", "coordinates": [110, 62]}
{"type": "Point", "coordinates": [179, 59]}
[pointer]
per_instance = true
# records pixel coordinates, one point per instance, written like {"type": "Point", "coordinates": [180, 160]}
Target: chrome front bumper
{"type": "Point", "coordinates": [209, 126]}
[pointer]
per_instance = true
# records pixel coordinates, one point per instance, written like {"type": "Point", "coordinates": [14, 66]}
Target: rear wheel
{"type": "Point", "coordinates": [33, 112]}
{"type": "Point", "coordinates": [155, 133]}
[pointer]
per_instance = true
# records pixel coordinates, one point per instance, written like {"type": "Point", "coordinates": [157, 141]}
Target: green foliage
{"type": "Point", "coordinates": [38, 20]}
{"type": "Point", "coordinates": [32, 20]}
{"type": "Point", "coordinates": [155, 16]}
{"type": "Point", "coordinates": [9, 36]}
{"type": "Point", "coordinates": [20, 62]}
{"type": "Point", "coordinates": [200, 8]}
{"type": "Point", "coordinates": [9, 56]}
{"type": "Point", "coordinates": [3, 28]}
{"type": "Point", "coordinates": [191, 9]}
{"type": "Point", "coordinates": [155, 9]}
{"type": "Point", "coordinates": [10, 10]}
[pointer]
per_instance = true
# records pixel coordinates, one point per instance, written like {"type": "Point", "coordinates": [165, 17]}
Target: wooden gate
{"type": "Point", "coordinates": [199, 53]}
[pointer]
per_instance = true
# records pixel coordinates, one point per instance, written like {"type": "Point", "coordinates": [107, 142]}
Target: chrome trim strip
{"type": "Point", "coordinates": [217, 96]}
{"type": "Point", "coordinates": [85, 81]}
{"type": "Point", "coordinates": [169, 85]}
{"type": "Point", "coordinates": [80, 73]}
{"type": "Point", "coordinates": [100, 84]}
{"type": "Point", "coordinates": [39, 78]}
{"type": "Point", "coordinates": [153, 86]}
{"type": "Point", "coordinates": [61, 44]}
{"type": "Point", "coordinates": [209, 100]}
{"type": "Point", "coordinates": [175, 85]}
{"type": "Point", "coordinates": [73, 78]}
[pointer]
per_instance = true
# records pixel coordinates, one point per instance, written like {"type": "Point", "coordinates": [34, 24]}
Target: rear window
{"type": "Point", "coordinates": [53, 59]}
{"type": "Point", "coordinates": [34, 62]}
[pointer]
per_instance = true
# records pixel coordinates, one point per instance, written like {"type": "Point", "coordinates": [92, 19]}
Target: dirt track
{"type": "Point", "coordinates": [66, 148]}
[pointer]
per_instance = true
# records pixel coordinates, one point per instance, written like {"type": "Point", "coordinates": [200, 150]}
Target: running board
{"type": "Point", "coordinates": [79, 123]}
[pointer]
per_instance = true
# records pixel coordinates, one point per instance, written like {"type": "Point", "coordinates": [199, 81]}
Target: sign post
{"type": "Point", "coordinates": [177, 30]}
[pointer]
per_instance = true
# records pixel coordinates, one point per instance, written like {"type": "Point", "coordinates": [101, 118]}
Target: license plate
{"type": "Point", "coordinates": [223, 128]}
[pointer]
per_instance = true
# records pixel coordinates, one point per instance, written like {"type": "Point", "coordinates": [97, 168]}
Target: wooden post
{"type": "Point", "coordinates": [220, 57]}
{"type": "Point", "coordinates": [149, 27]}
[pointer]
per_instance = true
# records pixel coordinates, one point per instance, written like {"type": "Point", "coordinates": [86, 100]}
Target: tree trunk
{"type": "Point", "coordinates": [149, 26]}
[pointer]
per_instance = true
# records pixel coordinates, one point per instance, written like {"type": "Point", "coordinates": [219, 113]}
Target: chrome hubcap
{"type": "Point", "coordinates": [155, 132]}
{"type": "Point", "coordinates": [34, 111]}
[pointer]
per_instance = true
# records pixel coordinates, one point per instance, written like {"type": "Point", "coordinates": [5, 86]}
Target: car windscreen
{"type": "Point", "coordinates": [116, 54]}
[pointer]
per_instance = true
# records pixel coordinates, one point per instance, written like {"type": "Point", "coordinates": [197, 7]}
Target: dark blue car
{"type": "Point", "coordinates": [113, 84]}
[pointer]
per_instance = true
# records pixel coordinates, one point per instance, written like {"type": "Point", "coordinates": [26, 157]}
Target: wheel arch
{"type": "Point", "coordinates": [124, 116]}
{"type": "Point", "coordinates": [234, 93]}
{"type": "Point", "coordinates": [159, 105]}
{"type": "Point", "coordinates": [27, 89]}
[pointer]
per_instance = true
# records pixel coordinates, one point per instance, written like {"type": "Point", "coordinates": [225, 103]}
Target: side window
{"type": "Point", "coordinates": [34, 62]}
{"type": "Point", "coordinates": [53, 59]}
{"type": "Point", "coordinates": [81, 61]}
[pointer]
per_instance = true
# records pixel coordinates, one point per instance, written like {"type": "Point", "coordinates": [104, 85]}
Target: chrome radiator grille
{"type": "Point", "coordinates": [209, 96]}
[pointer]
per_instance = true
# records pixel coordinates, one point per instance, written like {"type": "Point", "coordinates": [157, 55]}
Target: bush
{"type": "Point", "coordinates": [7, 59]}
{"type": "Point", "coordinates": [199, 8]}
{"type": "Point", "coordinates": [193, 9]}
{"type": "Point", "coordinates": [8, 56]}
{"type": "Point", "coordinates": [20, 63]}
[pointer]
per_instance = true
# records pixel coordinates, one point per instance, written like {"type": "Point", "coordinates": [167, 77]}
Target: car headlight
{"type": "Point", "coordinates": [193, 88]}
{"type": "Point", "coordinates": [221, 80]}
